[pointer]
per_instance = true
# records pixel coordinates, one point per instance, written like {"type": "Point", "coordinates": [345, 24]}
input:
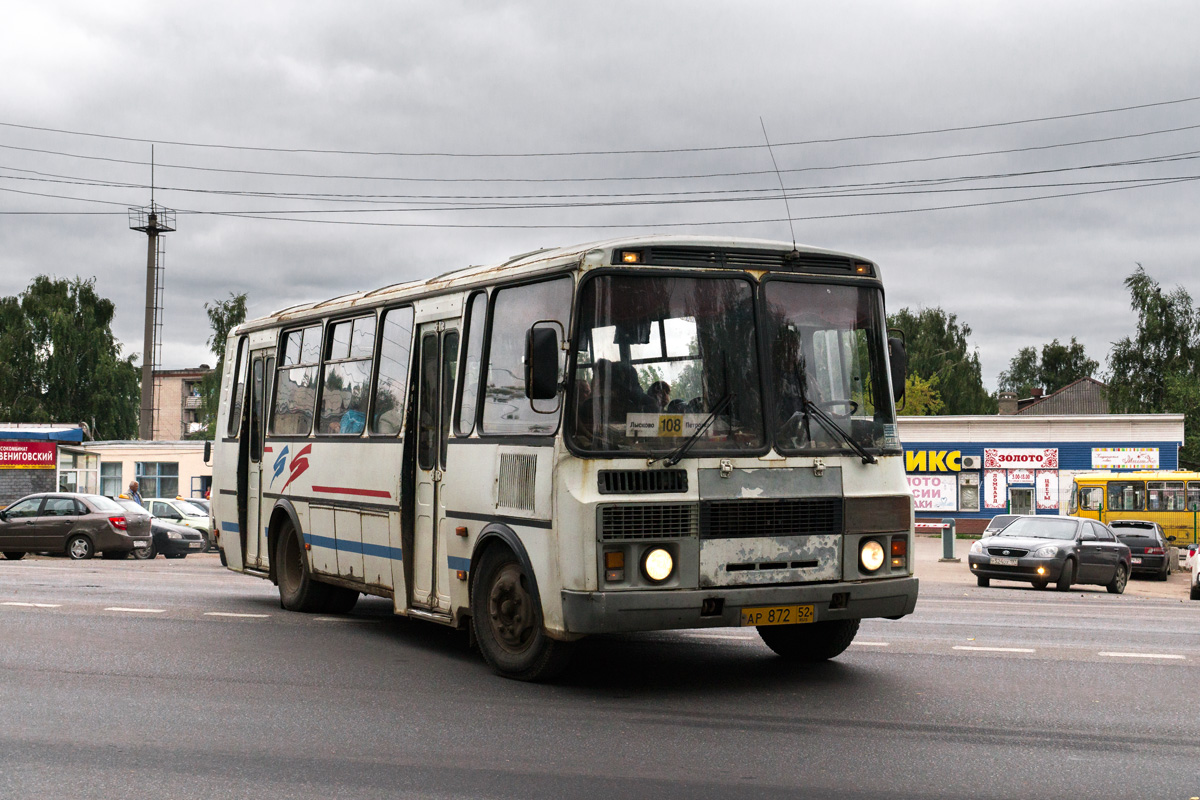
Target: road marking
{"type": "Point", "coordinates": [32, 605]}
{"type": "Point", "coordinates": [228, 614]}
{"type": "Point", "coordinates": [1143, 655]}
{"type": "Point", "coordinates": [870, 644]}
{"type": "Point", "coordinates": [726, 636]}
{"type": "Point", "coordinates": [996, 649]}
{"type": "Point", "coordinates": [137, 610]}
{"type": "Point", "coordinates": [332, 619]}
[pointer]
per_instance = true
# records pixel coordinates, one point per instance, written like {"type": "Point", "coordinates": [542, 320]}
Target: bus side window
{"type": "Point", "coordinates": [239, 388]}
{"type": "Point", "coordinates": [391, 384]}
{"type": "Point", "coordinates": [1193, 496]}
{"type": "Point", "coordinates": [1090, 497]}
{"type": "Point", "coordinates": [296, 385]}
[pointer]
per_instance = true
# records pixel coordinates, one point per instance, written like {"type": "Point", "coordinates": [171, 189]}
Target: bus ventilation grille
{"type": "Point", "coordinates": [518, 479]}
{"type": "Point", "coordinates": [642, 481]}
{"type": "Point", "coordinates": [749, 259]}
{"type": "Point", "coordinates": [675, 521]}
{"type": "Point", "coordinates": [736, 519]}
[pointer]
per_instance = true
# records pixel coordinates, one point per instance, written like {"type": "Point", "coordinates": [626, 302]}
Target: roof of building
{"type": "Point", "coordinates": [31, 431]}
{"type": "Point", "coordinates": [1083, 396]}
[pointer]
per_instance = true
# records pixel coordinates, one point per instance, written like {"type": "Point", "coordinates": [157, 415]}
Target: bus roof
{"type": "Point", "coordinates": [1137, 475]}
{"type": "Point", "coordinates": [538, 261]}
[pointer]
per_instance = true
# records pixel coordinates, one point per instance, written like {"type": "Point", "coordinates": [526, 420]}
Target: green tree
{"type": "Point", "coordinates": [921, 397]}
{"type": "Point", "coordinates": [59, 360]}
{"type": "Point", "coordinates": [1155, 370]}
{"type": "Point", "coordinates": [223, 316]}
{"type": "Point", "coordinates": [1060, 364]}
{"type": "Point", "coordinates": [938, 347]}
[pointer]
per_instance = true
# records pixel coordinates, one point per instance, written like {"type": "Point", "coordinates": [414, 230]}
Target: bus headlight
{"type": "Point", "coordinates": [657, 564]}
{"type": "Point", "coordinates": [871, 555]}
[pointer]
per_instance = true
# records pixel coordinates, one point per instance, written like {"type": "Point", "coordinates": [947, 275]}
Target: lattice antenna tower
{"type": "Point", "coordinates": [152, 220]}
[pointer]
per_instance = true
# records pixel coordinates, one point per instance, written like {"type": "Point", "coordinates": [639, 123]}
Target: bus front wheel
{"type": "Point", "coordinates": [507, 621]}
{"type": "Point", "coordinates": [297, 589]}
{"type": "Point", "coordinates": [810, 642]}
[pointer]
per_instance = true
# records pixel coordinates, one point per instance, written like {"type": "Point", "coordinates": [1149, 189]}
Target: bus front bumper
{"type": "Point", "coordinates": [629, 611]}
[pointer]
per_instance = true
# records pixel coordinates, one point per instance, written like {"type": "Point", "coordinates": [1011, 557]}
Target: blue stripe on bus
{"type": "Point", "coordinates": [366, 549]}
{"type": "Point", "coordinates": [230, 527]}
{"type": "Point", "coordinates": [457, 562]}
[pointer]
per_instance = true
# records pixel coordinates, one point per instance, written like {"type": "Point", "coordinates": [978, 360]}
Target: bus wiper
{"type": "Point", "coordinates": [832, 427]}
{"type": "Point", "coordinates": [672, 458]}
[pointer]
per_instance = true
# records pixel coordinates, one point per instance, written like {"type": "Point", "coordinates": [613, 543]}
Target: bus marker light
{"type": "Point", "coordinates": [900, 546]}
{"type": "Point", "coordinates": [308, 546]}
{"type": "Point", "coordinates": [897, 563]}
{"type": "Point", "coordinates": [462, 574]}
{"type": "Point", "coordinates": [614, 565]}
{"type": "Point", "coordinates": [631, 256]}
{"type": "Point", "coordinates": [461, 530]}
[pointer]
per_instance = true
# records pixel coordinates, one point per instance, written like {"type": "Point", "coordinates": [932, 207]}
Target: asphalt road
{"type": "Point", "coordinates": [178, 679]}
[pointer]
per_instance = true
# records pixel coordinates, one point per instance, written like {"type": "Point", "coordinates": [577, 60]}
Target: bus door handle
{"type": "Point", "coordinates": [437, 475]}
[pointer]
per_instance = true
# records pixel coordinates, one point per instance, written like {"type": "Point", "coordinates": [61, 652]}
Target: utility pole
{"type": "Point", "coordinates": [151, 220]}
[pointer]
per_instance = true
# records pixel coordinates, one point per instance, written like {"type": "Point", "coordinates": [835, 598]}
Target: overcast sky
{"type": "Point", "coordinates": [312, 149]}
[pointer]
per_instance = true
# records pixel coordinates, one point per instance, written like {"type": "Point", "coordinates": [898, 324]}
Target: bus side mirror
{"type": "Point", "coordinates": [541, 362]}
{"type": "Point", "coordinates": [898, 358]}
{"type": "Point", "coordinates": [207, 452]}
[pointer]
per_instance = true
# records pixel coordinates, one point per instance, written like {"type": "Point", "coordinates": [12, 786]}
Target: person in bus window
{"type": "Point", "coordinates": [660, 393]}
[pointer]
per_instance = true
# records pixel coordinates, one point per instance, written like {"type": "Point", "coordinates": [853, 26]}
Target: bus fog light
{"type": "Point", "coordinates": [871, 555]}
{"type": "Point", "coordinates": [657, 564]}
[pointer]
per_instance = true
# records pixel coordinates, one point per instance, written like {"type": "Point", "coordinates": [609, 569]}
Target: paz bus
{"type": "Point", "coordinates": [1169, 497]}
{"type": "Point", "coordinates": [645, 434]}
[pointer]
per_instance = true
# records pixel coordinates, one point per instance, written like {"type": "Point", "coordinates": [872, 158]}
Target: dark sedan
{"type": "Point", "coordinates": [1059, 550]}
{"type": "Point", "coordinates": [79, 525]}
{"type": "Point", "coordinates": [1150, 549]}
{"type": "Point", "coordinates": [173, 541]}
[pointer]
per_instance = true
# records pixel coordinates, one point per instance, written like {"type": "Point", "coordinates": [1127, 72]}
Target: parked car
{"type": "Point", "coordinates": [173, 541]}
{"type": "Point", "coordinates": [1189, 555]}
{"type": "Point", "coordinates": [199, 502]}
{"type": "Point", "coordinates": [1060, 550]}
{"type": "Point", "coordinates": [79, 525]}
{"type": "Point", "coordinates": [1150, 549]}
{"type": "Point", "coordinates": [1195, 593]}
{"type": "Point", "coordinates": [998, 523]}
{"type": "Point", "coordinates": [181, 512]}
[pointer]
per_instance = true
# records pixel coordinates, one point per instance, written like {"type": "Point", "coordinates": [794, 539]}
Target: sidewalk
{"type": "Point", "coordinates": [929, 568]}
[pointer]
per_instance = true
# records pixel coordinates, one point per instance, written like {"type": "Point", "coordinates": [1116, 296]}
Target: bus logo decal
{"type": "Point", "coordinates": [299, 465]}
{"type": "Point", "coordinates": [279, 464]}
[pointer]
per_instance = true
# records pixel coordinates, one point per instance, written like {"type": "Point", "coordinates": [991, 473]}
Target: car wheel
{"type": "Point", "coordinates": [143, 553]}
{"type": "Point", "coordinates": [1195, 595]}
{"type": "Point", "coordinates": [79, 547]}
{"type": "Point", "coordinates": [1117, 584]}
{"type": "Point", "coordinates": [811, 642]}
{"type": "Point", "coordinates": [1166, 572]}
{"type": "Point", "coordinates": [298, 591]}
{"type": "Point", "coordinates": [1066, 577]}
{"type": "Point", "coordinates": [1040, 584]}
{"type": "Point", "coordinates": [14, 555]}
{"type": "Point", "coordinates": [507, 621]}
{"type": "Point", "coordinates": [982, 581]}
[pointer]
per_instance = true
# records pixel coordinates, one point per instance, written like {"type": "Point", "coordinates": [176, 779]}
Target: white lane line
{"type": "Point", "coordinates": [870, 644]}
{"type": "Point", "coordinates": [136, 610]}
{"type": "Point", "coordinates": [733, 637]}
{"type": "Point", "coordinates": [1143, 655]}
{"type": "Point", "coordinates": [332, 619]}
{"type": "Point", "coordinates": [32, 605]}
{"type": "Point", "coordinates": [241, 616]}
{"type": "Point", "coordinates": [995, 649]}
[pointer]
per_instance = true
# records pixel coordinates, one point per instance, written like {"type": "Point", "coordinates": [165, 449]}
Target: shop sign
{"type": "Point", "coordinates": [1124, 458]}
{"type": "Point", "coordinates": [932, 460]}
{"type": "Point", "coordinates": [1047, 489]}
{"type": "Point", "coordinates": [934, 492]}
{"type": "Point", "coordinates": [28, 455]}
{"type": "Point", "coordinates": [995, 489]}
{"type": "Point", "coordinates": [1020, 457]}
{"type": "Point", "coordinates": [1020, 476]}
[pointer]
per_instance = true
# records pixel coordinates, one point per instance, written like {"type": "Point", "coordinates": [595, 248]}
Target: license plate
{"type": "Point", "coordinates": [141, 544]}
{"type": "Point", "coordinates": [194, 545]}
{"type": "Point", "coordinates": [1136, 560]}
{"type": "Point", "coordinates": [777, 615]}
{"type": "Point", "coordinates": [1000, 561]}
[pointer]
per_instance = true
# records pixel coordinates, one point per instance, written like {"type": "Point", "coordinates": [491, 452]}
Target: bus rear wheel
{"type": "Point", "coordinates": [507, 621]}
{"type": "Point", "coordinates": [810, 642]}
{"type": "Point", "coordinates": [298, 591]}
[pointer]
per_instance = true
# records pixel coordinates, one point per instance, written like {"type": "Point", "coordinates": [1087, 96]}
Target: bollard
{"type": "Point", "coordinates": [948, 540]}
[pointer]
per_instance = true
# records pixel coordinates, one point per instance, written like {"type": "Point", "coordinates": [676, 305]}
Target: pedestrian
{"type": "Point", "coordinates": [134, 494]}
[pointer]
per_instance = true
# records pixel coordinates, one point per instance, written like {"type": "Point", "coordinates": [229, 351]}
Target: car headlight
{"type": "Point", "coordinates": [174, 535]}
{"type": "Point", "coordinates": [1049, 551]}
{"type": "Point", "coordinates": [871, 555]}
{"type": "Point", "coordinates": [657, 564]}
{"type": "Point", "coordinates": [977, 546]}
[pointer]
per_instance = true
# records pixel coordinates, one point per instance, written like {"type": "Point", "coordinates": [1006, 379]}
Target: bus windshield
{"type": "Point", "coordinates": [828, 375]}
{"type": "Point", "coordinates": [656, 355]}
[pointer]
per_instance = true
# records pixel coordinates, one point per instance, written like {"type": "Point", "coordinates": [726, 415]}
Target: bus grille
{"type": "Point", "coordinates": [642, 481]}
{"type": "Point", "coordinates": [518, 479]}
{"type": "Point", "coordinates": [659, 521]}
{"type": "Point", "coordinates": [735, 519]}
{"type": "Point", "coordinates": [750, 259]}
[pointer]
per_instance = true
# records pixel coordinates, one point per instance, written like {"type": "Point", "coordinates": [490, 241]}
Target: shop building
{"type": "Point", "coordinates": [971, 468]}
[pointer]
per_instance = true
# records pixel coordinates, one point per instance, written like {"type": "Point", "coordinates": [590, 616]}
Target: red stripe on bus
{"type": "Point", "coordinates": [360, 492]}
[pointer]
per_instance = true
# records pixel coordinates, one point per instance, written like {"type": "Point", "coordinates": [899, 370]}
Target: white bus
{"type": "Point", "coordinates": [645, 434]}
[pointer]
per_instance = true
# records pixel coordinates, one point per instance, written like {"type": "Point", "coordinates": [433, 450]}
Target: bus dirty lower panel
{"type": "Point", "coordinates": [758, 561]}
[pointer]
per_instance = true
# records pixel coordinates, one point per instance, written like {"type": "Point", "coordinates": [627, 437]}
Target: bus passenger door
{"type": "Point", "coordinates": [262, 363]}
{"type": "Point", "coordinates": [436, 370]}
